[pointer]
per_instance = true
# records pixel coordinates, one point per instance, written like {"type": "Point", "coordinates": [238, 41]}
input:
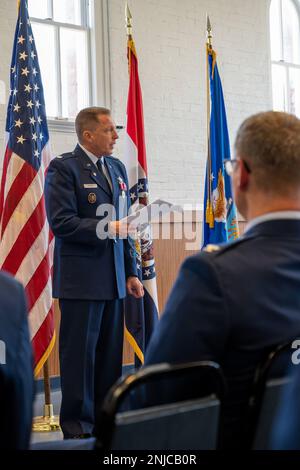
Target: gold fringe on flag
{"type": "Point", "coordinates": [209, 215]}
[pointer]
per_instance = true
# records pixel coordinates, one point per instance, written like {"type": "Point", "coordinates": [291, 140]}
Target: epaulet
{"type": "Point", "coordinates": [225, 247]}
{"type": "Point", "coordinates": [212, 248]}
{"type": "Point", "coordinates": [65, 156]}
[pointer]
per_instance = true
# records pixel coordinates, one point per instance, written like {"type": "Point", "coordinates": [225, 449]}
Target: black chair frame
{"type": "Point", "coordinates": [262, 374]}
{"type": "Point", "coordinates": [119, 391]}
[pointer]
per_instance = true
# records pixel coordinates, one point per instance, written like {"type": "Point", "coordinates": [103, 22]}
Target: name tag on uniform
{"type": "Point", "coordinates": [90, 186]}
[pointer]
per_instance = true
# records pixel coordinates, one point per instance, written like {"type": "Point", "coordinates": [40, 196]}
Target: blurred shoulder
{"type": "Point", "coordinates": [8, 282]}
{"type": "Point", "coordinates": [213, 254]}
{"type": "Point", "coordinates": [11, 294]}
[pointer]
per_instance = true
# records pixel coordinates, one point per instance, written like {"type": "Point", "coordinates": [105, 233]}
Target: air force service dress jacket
{"type": "Point", "coordinates": [78, 197]}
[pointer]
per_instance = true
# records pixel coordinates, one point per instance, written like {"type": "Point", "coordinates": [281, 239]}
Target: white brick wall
{"type": "Point", "coordinates": [170, 42]}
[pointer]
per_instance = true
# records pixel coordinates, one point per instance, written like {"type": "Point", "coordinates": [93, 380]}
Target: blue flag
{"type": "Point", "coordinates": [219, 221]}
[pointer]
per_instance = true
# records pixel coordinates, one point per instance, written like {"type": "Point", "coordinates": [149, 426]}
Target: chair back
{"type": "Point", "coordinates": [270, 402]}
{"type": "Point", "coordinates": [185, 418]}
{"type": "Point", "coordinates": [270, 378]}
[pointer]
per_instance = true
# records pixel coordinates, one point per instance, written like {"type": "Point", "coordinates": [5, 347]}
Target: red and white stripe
{"type": "Point", "coordinates": [26, 243]}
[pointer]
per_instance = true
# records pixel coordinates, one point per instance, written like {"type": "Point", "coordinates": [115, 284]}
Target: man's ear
{"type": "Point", "coordinates": [87, 135]}
{"type": "Point", "coordinates": [243, 175]}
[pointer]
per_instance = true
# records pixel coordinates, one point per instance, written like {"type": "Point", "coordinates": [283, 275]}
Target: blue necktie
{"type": "Point", "coordinates": [102, 171]}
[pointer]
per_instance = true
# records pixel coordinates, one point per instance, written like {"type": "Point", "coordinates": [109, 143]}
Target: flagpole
{"type": "Point", "coordinates": [140, 316]}
{"type": "Point", "coordinates": [128, 17]}
{"type": "Point", "coordinates": [130, 42]}
{"type": "Point", "coordinates": [209, 216]}
{"type": "Point", "coordinates": [219, 216]}
{"type": "Point", "coordinates": [48, 422]}
{"type": "Point", "coordinates": [130, 48]}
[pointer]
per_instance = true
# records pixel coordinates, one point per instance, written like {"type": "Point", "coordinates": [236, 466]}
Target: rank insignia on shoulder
{"type": "Point", "coordinates": [211, 248]}
{"type": "Point", "coordinates": [92, 198]}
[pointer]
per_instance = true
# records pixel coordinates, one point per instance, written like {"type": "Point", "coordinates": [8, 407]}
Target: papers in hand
{"type": "Point", "coordinates": [150, 213]}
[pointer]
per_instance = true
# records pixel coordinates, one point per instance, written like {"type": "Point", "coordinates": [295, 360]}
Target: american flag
{"type": "Point", "coordinates": [141, 315]}
{"type": "Point", "coordinates": [25, 240]}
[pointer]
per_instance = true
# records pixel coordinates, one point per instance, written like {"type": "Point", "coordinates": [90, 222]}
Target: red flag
{"type": "Point", "coordinates": [26, 243]}
{"type": "Point", "coordinates": [140, 315]}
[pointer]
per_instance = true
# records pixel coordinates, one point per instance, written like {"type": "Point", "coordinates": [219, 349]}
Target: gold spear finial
{"type": "Point", "coordinates": [209, 33]}
{"type": "Point", "coordinates": [128, 18]}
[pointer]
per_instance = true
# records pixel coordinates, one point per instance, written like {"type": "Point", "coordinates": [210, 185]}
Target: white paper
{"type": "Point", "coordinates": [150, 213]}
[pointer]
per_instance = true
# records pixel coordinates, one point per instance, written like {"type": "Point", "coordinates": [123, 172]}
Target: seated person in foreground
{"type": "Point", "coordinates": [233, 303]}
{"type": "Point", "coordinates": [16, 367]}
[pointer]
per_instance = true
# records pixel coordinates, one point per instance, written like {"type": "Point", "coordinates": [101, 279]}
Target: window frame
{"type": "Point", "coordinates": [99, 82]}
{"type": "Point", "coordinates": [287, 66]}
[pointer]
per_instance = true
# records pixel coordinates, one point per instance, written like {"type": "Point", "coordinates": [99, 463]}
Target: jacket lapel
{"type": "Point", "coordinates": [90, 167]}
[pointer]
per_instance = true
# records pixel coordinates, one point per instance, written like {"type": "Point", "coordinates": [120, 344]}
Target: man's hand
{"type": "Point", "coordinates": [122, 229]}
{"type": "Point", "coordinates": [135, 287]}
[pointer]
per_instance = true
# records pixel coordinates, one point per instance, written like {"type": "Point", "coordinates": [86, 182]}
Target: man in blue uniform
{"type": "Point", "coordinates": [86, 195]}
{"type": "Point", "coordinates": [16, 367]}
{"type": "Point", "coordinates": [232, 303]}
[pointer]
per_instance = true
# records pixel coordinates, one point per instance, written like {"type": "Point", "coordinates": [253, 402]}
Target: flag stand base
{"type": "Point", "coordinates": [46, 423]}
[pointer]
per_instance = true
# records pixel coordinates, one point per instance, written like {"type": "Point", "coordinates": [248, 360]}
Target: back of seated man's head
{"type": "Point", "coordinates": [269, 143]}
